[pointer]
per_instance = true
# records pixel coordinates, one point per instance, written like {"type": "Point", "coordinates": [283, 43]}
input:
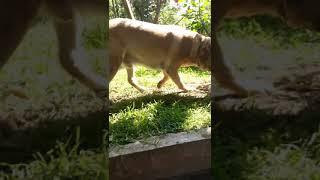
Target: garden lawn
{"type": "Point", "coordinates": [136, 115]}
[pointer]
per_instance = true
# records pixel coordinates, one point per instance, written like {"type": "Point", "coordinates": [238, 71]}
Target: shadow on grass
{"type": "Point", "coordinates": [167, 98]}
{"type": "Point", "coordinates": [156, 114]}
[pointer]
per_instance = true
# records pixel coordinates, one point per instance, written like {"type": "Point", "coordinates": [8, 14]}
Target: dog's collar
{"type": "Point", "coordinates": [195, 46]}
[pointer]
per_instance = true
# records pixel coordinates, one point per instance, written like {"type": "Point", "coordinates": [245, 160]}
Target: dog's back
{"type": "Point", "coordinates": [146, 43]}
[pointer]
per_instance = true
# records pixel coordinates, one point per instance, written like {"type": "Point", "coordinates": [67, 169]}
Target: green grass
{"type": "Point", "coordinates": [120, 88]}
{"type": "Point", "coordinates": [158, 117]}
{"type": "Point", "coordinates": [138, 115]}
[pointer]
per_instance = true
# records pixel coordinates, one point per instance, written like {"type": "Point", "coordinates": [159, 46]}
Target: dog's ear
{"type": "Point", "coordinates": [198, 37]}
{"type": "Point", "coordinates": [207, 45]}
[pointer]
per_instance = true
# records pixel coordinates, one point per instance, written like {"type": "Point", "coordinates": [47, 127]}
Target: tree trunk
{"type": "Point", "coordinates": [128, 8]}
{"type": "Point", "coordinates": [159, 4]}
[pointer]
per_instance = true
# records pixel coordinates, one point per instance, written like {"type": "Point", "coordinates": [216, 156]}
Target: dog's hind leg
{"type": "Point", "coordinates": [172, 71]}
{"type": "Point", "coordinates": [114, 65]}
{"type": "Point", "coordinates": [131, 78]}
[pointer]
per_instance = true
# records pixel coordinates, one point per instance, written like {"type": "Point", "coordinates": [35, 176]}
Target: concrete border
{"type": "Point", "coordinates": [162, 157]}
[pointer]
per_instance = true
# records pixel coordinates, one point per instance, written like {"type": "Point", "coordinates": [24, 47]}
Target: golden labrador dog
{"type": "Point", "coordinates": [16, 17]}
{"type": "Point", "coordinates": [165, 47]}
{"type": "Point", "coordinates": [294, 12]}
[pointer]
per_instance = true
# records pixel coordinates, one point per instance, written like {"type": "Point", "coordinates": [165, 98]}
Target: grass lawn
{"type": "Point", "coordinates": [136, 115]}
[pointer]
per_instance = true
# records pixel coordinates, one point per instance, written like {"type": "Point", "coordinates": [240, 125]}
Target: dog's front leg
{"type": "Point", "coordinates": [222, 72]}
{"type": "Point", "coordinates": [131, 79]}
{"type": "Point", "coordinates": [71, 53]}
{"type": "Point", "coordinates": [173, 73]}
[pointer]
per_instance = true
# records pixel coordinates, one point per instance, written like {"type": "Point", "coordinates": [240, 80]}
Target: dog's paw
{"type": "Point", "coordinates": [159, 85]}
{"type": "Point", "coordinates": [142, 90]}
{"type": "Point", "coordinates": [188, 89]}
{"type": "Point", "coordinates": [205, 87]}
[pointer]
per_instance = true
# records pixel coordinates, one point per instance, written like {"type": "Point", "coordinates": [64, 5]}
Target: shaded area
{"type": "Point", "coordinates": [264, 122]}
{"type": "Point", "coordinates": [168, 98]}
{"type": "Point", "coordinates": [200, 175]}
{"type": "Point", "coordinates": [42, 128]}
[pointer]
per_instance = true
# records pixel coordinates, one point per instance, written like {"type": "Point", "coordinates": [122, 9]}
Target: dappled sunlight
{"type": "Point", "coordinates": [158, 117]}
{"type": "Point", "coordinates": [136, 115]}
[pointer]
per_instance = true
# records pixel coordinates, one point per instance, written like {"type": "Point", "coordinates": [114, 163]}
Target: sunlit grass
{"type": "Point", "coordinates": [158, 117]}
{"type": "Point", "coordinates": [119, 86]}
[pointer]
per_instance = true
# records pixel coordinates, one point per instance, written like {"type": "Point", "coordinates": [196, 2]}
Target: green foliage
{"type": "Point", "coordinates": [169, 15]}
{"type": "Point", "coordinates": [145, 9]}
{"type": "Point", "coordinates": [142, 9]}
{"type": "Point", "coordinates": [198, 16]}
{"type": "Point", "coordinates": [141, 72]}
{"type": "Point", "coordinates": [194, 15]}
{"type": "Point", "coordinates": [116, 9]}
{"type": "Point", "coordinates": [95, 37]}
{"type": "Point", "coordinates": [95, 32]}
